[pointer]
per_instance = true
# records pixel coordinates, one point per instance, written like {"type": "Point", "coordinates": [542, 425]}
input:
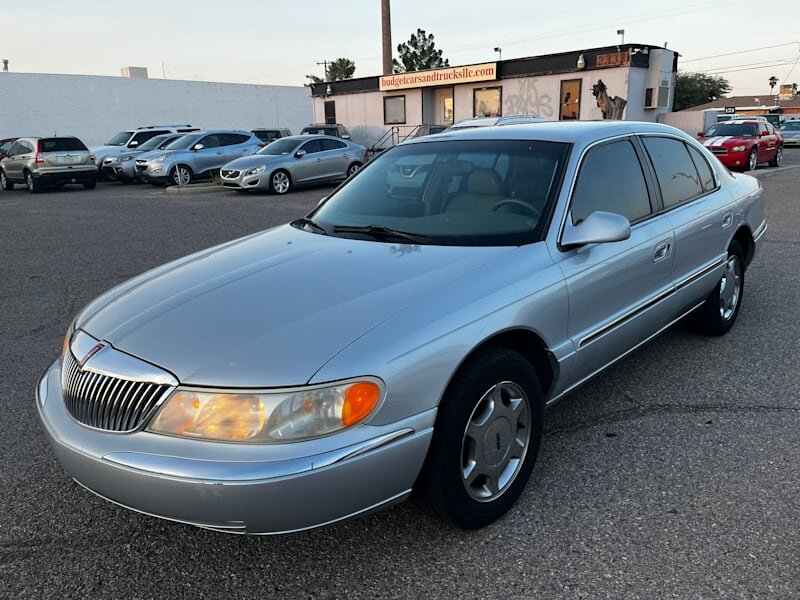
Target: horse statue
{"type": "Point", "coordinates": [612, 108]}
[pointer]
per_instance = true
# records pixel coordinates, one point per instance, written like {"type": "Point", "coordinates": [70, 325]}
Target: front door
{"type": "Point", "coordinates": [616, 289]}
{"type": "Point", "coordinates": [310, 166]}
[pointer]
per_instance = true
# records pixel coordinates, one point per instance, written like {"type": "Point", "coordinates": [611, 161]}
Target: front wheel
{"type": "Point", "coordinates": [776, 162]}
{"type": "Point", "coordinates": [5, 183]}
{"type": "Point", "coordinates": [718, 313]}
{"type": "Point", "coordinates": [181, 175]}
{"type": "Point", "coordinates": [280, 182]}
{"type": "Point", "coordinates": [485, 441]}
{"type": "Point", "coordinates": [752, 160]}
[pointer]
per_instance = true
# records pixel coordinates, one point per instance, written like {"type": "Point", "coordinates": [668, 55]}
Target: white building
{"type": "Point", "coordinates": [95, 108]}
{"type": "Point", "coordinates": [555, 86]}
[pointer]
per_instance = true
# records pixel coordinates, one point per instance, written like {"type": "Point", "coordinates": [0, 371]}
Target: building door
{"type": "Point", "coordinates": [330, 112]}
{"type": "Point", "coordinates": [443, 100]}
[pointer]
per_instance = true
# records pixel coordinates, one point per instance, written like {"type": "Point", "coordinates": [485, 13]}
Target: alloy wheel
{"type": "Point", "coordinates": [3, 181]}
{"type": "Point", "coordinates": [752, 161]}
{"type": "Point", "coordinates": [182, 176]}
{"type": "Point", "coordinates": [779, 156]}
{"type": "Point", "coordinates": [730, 288]}
{"type": "Point", "coordinates": [280, 182]}
{"type": "Point", "coordinates": [351, 170]}
{"type": "Point", "coordinates": [495, 441]}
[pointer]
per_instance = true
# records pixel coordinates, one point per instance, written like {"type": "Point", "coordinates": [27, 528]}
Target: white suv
{"type": "Point", "coordinates": [132, 138]}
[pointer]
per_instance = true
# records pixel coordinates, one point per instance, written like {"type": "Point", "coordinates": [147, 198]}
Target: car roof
{"type": "Point", "coordinates": [307, 136]}
{"type": "Point", "coordinates": [574, 132]}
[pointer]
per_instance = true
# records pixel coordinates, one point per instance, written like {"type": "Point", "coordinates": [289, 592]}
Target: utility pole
{"type": "Point", "coordinates": [386, 36]}
{"type": "Point", "coordinates": [324, 62]}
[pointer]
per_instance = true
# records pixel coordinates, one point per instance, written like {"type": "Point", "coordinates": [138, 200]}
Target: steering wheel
{"type": "Point", "coordinates": [524, 205]}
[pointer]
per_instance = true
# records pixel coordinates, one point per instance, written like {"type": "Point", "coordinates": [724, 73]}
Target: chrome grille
{"type": "Point", "coordinates": [230, 174]}
{"type": "Point", "coordinates": [106, 402]}
{"type": "Point", "coordinates": [719, 150]}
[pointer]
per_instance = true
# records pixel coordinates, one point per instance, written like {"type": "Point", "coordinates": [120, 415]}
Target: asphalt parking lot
{"type": "Point", "coordinates": [675, 474]}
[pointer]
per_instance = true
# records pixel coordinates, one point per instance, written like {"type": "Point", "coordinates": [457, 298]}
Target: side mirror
{"type": "Point", "coordinates": [598, 228]}
{"type": "Point", "coordinates": [300, 153]}
{"type": "Point", "coordinates": [198, 147]}
{"type": "Point", "coordinates": [133, 144]}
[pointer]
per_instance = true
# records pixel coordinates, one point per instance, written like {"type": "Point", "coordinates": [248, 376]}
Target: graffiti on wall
{"type": "Point", "coordinates": [522, 97]}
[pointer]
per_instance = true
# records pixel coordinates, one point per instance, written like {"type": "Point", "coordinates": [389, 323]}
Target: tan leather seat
{"type": "Point", "coordinates": [484, 189]}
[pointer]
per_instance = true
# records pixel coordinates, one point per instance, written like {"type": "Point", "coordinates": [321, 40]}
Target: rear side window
{"type": "Point", "coordinates": [61, 144]}
{"type": "Point", "coordinates": [611, 180]}
{"type": "Point", "coordinates": [706, 175]}
{"type": "Point", "coordinates": [230, 139]}
{"type": "Point", "coordinates": [332, 145]}
{"type": "Point", "coordinates": [143, 136]}
{"type": "Point", "coordinates": [676, 173]}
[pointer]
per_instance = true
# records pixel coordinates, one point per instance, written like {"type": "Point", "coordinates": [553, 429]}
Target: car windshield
{"type": "Point", "coordinates": [733, 129]}
{"type": "Point", "coordinates": [469, 193]}
{"type": "Point", "coordinates": [185, 142]}
{"type": "Point", "coordinates": [279, 147]}
{"type": "Point", "coordinates": [120, 139]}
{"type": "Point", "coordinates": [154, 142]}
{"type": "Point", "coordinates": [795, 126]}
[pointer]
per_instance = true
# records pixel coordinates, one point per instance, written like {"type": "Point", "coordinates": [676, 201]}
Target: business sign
{"type": "Point", "coordinates": [450, 76]}
{"type": "Point", "coordinates": [614, 59]}
{"type": "Point", "coordinates": [730, 110]}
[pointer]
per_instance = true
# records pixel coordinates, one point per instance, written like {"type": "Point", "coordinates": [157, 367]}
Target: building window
{"type": "Point", "coordinates": [394, 110]}
{"type": "Point", "coordinates": [488, 102]}
{"type": "Point", "coordinates": [570, 109]}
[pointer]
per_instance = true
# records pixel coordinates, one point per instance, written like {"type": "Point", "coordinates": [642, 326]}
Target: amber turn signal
{"type": "Point", "coordinates": [359, 400]}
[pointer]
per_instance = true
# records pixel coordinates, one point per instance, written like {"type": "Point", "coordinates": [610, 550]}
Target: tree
{"type": "Point", "coordinates": [773, 81]}
{"type": "Point", "coordinates": [418, 54]}
{"type": "Point", "coordinates": [341, 68]}
{"type": "Point", "coordinates": [693, 89]}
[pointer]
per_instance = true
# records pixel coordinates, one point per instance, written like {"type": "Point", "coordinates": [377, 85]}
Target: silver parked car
{"type": "Point", "coordinates": [48, 162]}
{"type": "Point", "coordinates": [122, 167]}
{"type": "Point", "coordinates": [395, 342]}
{"type": "Point", "coordinates": [130, 139]}
{"type": "Point", "coordinates": [791, 133]}
{"type": "Point", "coordinates": [196, 156]}
{"type": "Point", "coordinates": [293, 161]}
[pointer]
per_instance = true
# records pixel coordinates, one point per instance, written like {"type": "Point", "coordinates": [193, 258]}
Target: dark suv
{"type": "Point", "coordinates": [270, 135]}
{"type": "Point", "coordinates": [335, 130]}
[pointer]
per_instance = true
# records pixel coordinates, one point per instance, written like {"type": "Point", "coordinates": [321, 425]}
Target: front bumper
{"type": "Point", "coordinates": [241, 181]}
{"type": "Point", "coordinates": [122, 171]}
{"type": "Point", "coordinates": [787, 141]}
{"type": "Point", "coordinates": [256, 489]}
{"type": "Point", "coordinates": [734, 160]}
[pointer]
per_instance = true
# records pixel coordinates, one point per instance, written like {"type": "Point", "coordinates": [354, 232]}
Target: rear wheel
{"type": "Point", "coordinates": [718, 313]}
{"type": "Point", "coordinates": [776, 162]}
{"type": "Point", "coordinates": [485, 440]}
{"type": "Point", "coordinates": [31, 183]}
{"type": "Point", "coordinates": [181, 175]}
{"type": "Point", "coordinates": [90, 185]}
{"type": "Point", "coordinates": [353, 168]}
{"type": "Point", "coordinates": [5, 183]}
{"type": "Point", "coordinates": [280, 182]}
{"type": "Point", "coordinates": [752, 160]}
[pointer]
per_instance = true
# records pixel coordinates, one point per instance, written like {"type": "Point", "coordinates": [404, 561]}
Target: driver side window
{"type": "Point", "coordinates": [611, 180]}
{"type": "Point", "coordinates": [210, 141]}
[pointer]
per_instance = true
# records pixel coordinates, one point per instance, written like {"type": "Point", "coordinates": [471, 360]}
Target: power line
{"type": "Point", "coordinates": [751, 68]}
{"type": "Point", "coordinates": [755, 64]}
{"type": "Point", "coordinates": [739, 52]}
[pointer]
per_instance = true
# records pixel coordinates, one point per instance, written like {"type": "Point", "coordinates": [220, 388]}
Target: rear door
{"type": "Point", "coordinates": [334, 157]}
{"type": "Point", "coordinates": [63, 154]}
{"type": "Point", "coordinates": [236, 145]}
{"type": "Point", "coordinates": [700, 214]}
{"type": "Point", "coordinates": [616, 290]}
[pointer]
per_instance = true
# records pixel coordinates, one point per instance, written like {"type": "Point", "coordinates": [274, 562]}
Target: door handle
{"type": "Point", "coordinates": [662, 251]}
{"type": "Point", "coordinates": [727, 220]}
{"type": "Point", "coordinates": [219, 153]}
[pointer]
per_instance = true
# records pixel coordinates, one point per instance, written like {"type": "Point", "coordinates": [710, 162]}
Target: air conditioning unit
{"type": "Point", "coordinates": [657, 97]}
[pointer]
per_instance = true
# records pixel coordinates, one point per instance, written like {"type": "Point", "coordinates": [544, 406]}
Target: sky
{"type": "Point", "coordinates": [265, 41]}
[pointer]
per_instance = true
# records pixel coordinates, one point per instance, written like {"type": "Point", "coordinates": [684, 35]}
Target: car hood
{"type": "Point", "coordinates": [727, 140]}
{"type": "Point", "coordinates": [271, 309]}
{"type": "Point", "coordinates": [248, 162]}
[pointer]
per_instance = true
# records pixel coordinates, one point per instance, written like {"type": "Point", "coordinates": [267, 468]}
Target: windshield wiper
{"type": "Point", "coordinates": [311, 224]}
{"type": "Point", "coordinates": [379, 232]}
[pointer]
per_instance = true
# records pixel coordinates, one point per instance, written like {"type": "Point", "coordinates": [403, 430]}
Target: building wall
{"type": "Point", "coordinates": [95, 108]}
{"type": "Point", "coordinates": [362, 112]}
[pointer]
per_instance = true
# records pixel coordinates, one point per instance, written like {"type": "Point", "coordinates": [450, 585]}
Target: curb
{"type": "Point", "coordinates": [198, 188]}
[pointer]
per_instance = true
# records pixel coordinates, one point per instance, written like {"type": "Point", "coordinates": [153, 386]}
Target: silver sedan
{"type": "Point", "coordinates": [294, 161]}
{"type": "Point", "coordinates": [406, 335]}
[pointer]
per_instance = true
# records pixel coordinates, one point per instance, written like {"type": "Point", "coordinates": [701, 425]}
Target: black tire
{"type": "Point", "coordinates": [186, 175]}
{"type": "Point", "coordinates": [5, 183]}
{"type": "Point", "coordinates": [752, 160]}
{"type": "Point", "coordinates": [713, 317]}
{"type": "Point", "coordinates": [776, 162]}
{"type": "Point", "coordinates": [90, 185]}
{"type": "Point", "coordinates": [280, 182]}
{"type": "Point", "coordinates": [441, 487]}
{"type": "Point", "coordinates": [31, 183]}
{"type": "Point", "coordinates": [351, 170]}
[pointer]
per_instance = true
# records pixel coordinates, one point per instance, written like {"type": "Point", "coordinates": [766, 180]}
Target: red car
{"type": "Point", "coordinates": [742, 144]}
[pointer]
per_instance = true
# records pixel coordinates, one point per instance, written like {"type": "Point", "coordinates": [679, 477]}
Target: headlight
{"type": "Point", "coordinates": [267, 417]}
{"type": "Point", "coordinates": [255, 171]}
{"type": "Point", "coordinates": [738, 148]}
{"type": "Point", "coordinates": [126, 159]}
{"type": "Point", "coordinates": [161, 158]}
